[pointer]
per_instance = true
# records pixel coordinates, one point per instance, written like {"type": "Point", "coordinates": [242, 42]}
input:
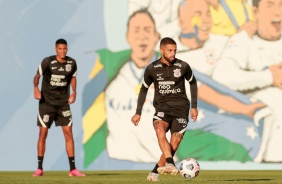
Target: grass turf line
{"type": "Point", "coordinates": [136, 177]}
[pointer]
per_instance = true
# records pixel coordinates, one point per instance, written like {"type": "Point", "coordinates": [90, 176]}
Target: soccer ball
{"type": "Point", "coordinates": [189, 168]}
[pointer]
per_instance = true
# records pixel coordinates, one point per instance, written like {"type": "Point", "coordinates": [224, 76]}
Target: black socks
{"type": "Point", "coordinates": [40, 162]}
{"type": "Point", "coordinates": [72, 163]}
{"type": "Point", "coordinates": [170, 160]}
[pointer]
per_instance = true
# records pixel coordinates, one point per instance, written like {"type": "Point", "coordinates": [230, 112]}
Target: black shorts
{"type": "Point", "coordinates": [47, 114]}
{"type": "Point", "coordinates": [175, 124]}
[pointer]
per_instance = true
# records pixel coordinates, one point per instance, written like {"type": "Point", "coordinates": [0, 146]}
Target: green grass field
{"type": "Point", "coordinates": [136, 177]}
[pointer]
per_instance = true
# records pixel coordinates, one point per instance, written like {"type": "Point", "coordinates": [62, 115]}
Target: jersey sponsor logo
{"type": "Point", "coordinates": [177, 64]}
{"type": "Point", "coordinates": [46, 118]}
{"type": "Point", "coordinates": [53, 68]}
{"type": "Point", "coordinates": [66, 113]}
{"type": "Point", "coordinates": [53, 62]}
{"type": "Point", "coordinates": [160, 114]}
{"type": "Point", "coordinates": [182, 121]}
{"type": "Point", "coordinates": [158, 65]}
{"type": "Point", "coordinates": [167, 83]}
{"type": "Point", "coordinates": [169, 91]}
{"type": "Point", "coordinates": [166, 87]}
{"type": "Point", "coordinates": [176, 73]}
{"type": "Point", "coordinates": [68, 67]}
{"type": "Point", "coordinates": [56, 80]}
{"type": "Point", "coordinates": [69, 61]}
{"type": "Point", "coordinates": [61, 69]}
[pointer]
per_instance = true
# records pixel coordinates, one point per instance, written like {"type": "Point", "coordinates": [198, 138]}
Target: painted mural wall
{"type": "Point", "coordinates": [233, 47]}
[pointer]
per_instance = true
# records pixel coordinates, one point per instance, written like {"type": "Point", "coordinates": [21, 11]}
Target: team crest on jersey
{"type": "Point", "coordinates": [176, 73]}
{"type": "Point", "coordinates": [68, 67]}
{"type": "Point", "coordinates": [46, 118]}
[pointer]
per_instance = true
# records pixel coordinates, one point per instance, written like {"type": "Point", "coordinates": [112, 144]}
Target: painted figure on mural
{"type": "Point", "coordinates": [122, 74]}
{"type": "Point", "coordinates": [164, 12]}
{"type": "Point", "coordinates": [253, 67]}
{"type": "Point", "coordinates": [231, 16]}
{"type": "Point", "coordinates": [202, 49]}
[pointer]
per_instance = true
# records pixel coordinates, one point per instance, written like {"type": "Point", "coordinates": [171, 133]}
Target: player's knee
{"type": "Point", "coordinates": [178, 135]}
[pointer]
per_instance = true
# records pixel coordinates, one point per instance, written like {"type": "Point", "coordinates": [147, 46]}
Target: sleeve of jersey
{"type": "Point", "coordinates": [75, 70]}
{"type": "Point", "coordinates": [146, 82]}
{"type": "Point", "coordinates": [193, 86]}
{"type": "Point", "coordinates": [42, 67]}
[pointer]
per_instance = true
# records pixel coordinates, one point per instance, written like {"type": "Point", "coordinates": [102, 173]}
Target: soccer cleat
{"type": "Point", "coordinates": [76, 172]}
{"type": "Point", "coordinates": [38, 172]}
{"type": "Point", "coordinates": [168, 169]}
{"type": "Point", "coordinates": [153, 177]}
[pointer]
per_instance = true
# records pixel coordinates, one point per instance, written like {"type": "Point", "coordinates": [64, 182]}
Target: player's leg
{"type": "Point", "coordinates": [169, 166]}
{"type": "Point", "coordinates": [161, 127]}
{"type": "Point", "coordinates": [41, 145]}
{"type": "Point", "coordinates": [44, 121]}
{"type": "Point", "coordinates": [64, 119]}
{"type": "Point", "coordinates": [177, 129]}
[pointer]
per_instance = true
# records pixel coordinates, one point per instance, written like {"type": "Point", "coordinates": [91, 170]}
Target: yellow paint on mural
{"type": "Point", "coordinates": [196, 21]}
{"type": "Point", "coordinates": [221, 21]}
{"type": "Point", "coordinates": [94, 117]}
{"type": "Point", "coordinates": [96, 69]}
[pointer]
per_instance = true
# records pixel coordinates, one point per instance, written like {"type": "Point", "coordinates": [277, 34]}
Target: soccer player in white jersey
{"type": "Point", "coordinates": [253, 66]}
{"type": "Point", "coordinates": [59, 73]}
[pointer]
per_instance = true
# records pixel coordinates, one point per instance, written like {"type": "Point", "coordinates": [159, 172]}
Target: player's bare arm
{"type": "Point", "coordinates": [36, 91]}
{"type": "Point", "coordinates": [72, 97]}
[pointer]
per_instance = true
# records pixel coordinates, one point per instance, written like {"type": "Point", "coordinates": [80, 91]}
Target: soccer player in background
{"type": "Point", "coordinates": [59, 73]}
{"type": "Point", "coordinates": [168, 74]}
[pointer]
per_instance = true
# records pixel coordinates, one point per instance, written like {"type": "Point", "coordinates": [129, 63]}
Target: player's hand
{"type": "Point", "coordinates": [135, 119]}
{"type": "Point", "coordinates": [276, 71]}
{"type": "Point", "coordinates": [72, 98]}
{"type": "Point", "coordinates": [251, 109]}
{"type": "Point", "coordinates": [37, 93]}
{"type": "Point", "coordinates": [194, 114]}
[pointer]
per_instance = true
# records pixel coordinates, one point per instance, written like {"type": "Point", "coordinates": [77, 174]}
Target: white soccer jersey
{"type": "Point", "coordinates": [243, 67]}
{"type": "Point", "coordinates": [244, 63]}
{"type": "Point", "coordinates": [203, 59]}
{"type": "Point", "coordinates": [126, 141]}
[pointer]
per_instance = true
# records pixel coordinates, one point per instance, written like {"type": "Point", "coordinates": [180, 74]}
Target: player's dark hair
{"type": "Point", "coordinates": [61, 41]}
{"type": "Point", "coordinates": [166, 41]}
{"type": "Point", "coordinates": [144, 11]}
{"type": "Point", "coordinates": [256, 3]}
